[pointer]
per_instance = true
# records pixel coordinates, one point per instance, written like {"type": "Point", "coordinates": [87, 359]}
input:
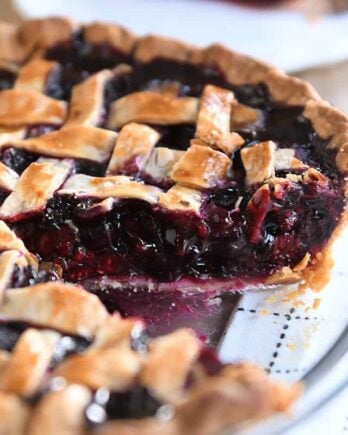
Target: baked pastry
{"type": "Point", "coordinates": [161, 165]}
{"type": "Point", "coordinates": [145, 163]}
{"type": "Point", "coordinates": [69, 367]}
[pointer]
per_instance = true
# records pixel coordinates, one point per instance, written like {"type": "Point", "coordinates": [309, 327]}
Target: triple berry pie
{"type": "Point", "coordinates": [142, 169]}
{"type": "Point", "coordinates": [132, 163]}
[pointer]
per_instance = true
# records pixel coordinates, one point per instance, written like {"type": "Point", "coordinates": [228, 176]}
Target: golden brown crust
{"type": "Point", "coordinates": [33, 75]}
{"type": "Point", "coordinates": [61, 412]}
{"type": "Point", "coordinates": [14, 414]}
{"type": "Point", "coordinates": [214, 120]}
{"type": "Point", "coordinates": [166, 376]}
{"type": "Point", "coordinates": [113, 35]}
{"type": "Point", "coordinates": [331, 124]}
{"type": "Point", "coordinates": [8, 177]}
{"type": "Point", "coordinates": [11, 134]}
{"type": "Point", "coordinates": [10, 261]}
{"type": "Point", "coordinates": [108, 368]}
{"type": "Point", "coordinates": [35, 36]}
{"type": "Point", "coordinates": [153, 108]}
{"type": "Point", "coordinates": [75, 141]}
{"type": "Point", "coordinates": [87, 99]}
{"type": "Point", "coordinates": [9, 240]}
{"type": "Point", "coordinates": [161, 162]}
{"type": "Point", "coordinates": [116, 186]}
{"type": "Point", "coordinates": [153, 46]}
{"type": "Point", "coordinates": [259, 161]}
{"type": "Point", "coordinates": [43, 33]}
{"type": "Point", "coordinates": [240, 394]}
{"type": "Point", "coordinates": [24, 372]}
{"type": "Point", "coordinates": [181, 198]}
{"type": "Point", "coordinates": [237, 393]}
{"type": "Point", "coordinates": [28, 195]}
{"type": "Point", "coordinates": [112, 364]}
{"type": "Point", "coordinates": [243, 116]}
{"type": "Point", "coordinates": [56, 305]}
{"type": "Point", "coordinates": [201, 167]}
{"type": "Point", "coordinates": [133, 146]}
{"type": "Point", "coordinates": [20, 108]}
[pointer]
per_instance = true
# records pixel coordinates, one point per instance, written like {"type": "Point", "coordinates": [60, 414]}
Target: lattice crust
{"type": "Point", "coordinates": [122, 132]}
{"type": "Point", "coordinates": [113, 361]}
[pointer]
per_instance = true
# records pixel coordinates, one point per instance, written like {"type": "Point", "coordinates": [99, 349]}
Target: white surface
{"type": "Point", "coordinates": [265, 331]}
{"type": "Point", "coordinates": [287, 39]}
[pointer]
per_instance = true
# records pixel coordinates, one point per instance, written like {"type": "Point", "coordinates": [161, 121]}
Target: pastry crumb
{"type": "Point", "coordinates": [316, 303]}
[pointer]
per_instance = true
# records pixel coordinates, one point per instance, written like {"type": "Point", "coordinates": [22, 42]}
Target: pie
{"type": "Point", "coordinates": [139, 165]}
{"type": "Point", "coordinates": [69, 367]}
{"type": "Point", "coordinates": [163, 165]}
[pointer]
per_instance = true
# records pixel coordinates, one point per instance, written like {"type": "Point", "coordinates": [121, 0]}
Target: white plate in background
{"type": "Point", "coordinates": [287, 39]}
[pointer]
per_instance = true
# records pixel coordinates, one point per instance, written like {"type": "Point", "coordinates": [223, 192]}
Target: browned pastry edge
{"type": "Point", "coordinates": [20, 42]}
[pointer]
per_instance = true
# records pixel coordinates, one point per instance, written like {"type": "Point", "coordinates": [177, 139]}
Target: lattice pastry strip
{"type": "Point", "coordinates": [20, 108]}
{"type": "Point", "coordinates": [214, 120]}
{"type": "Point", "coordinates": [152, 108]}
{"type": "Point", "coordinates": [117, 186]}
{"type": "Point", "coordinates": [133, 148]}
{"type": "Point", "coordinates": [34, 188]}
{"type": "Point", "coordinates": [76, 142]}
{"type": "Point", "coordinates": [34, 75]}
{"type": "Point", "coordinates": [201, 167]}
{"type": "Point", "coordinates": [8, 178]}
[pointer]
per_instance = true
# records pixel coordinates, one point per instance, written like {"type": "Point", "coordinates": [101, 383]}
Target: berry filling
{"type": "Point", "coordinates": [11, 331]}
{"type": "Point", "coordinates": [230, 238]}
{"type": "Point", "coordinates": [134, 404]}
{"type": "Point", "coordinates": [7, 79]}
{"type": "Point", "coordinates": [138, 402]}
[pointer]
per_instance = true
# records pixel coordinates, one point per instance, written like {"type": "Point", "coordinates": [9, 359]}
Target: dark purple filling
{"type": "Point", "coordinates": [10, 332]}
{"type": "Point", "coordinates": [7, 79]}
{"type": "Point", "coordinates": [22, 277]}
{"type": "Point", "coordinates": [3, 195]}
{"type": "Point", "coordinates": [86, 57]}
{"type": "Point", "coordinates": [16, 159]}
{"type": "Point", "coordinates": [39, 130]}
{"type": "Point", "coordinates": [168, 310]}
{"type": "Point", "coordinates": [138, 402]}
{"type": "Point", "coordinates": [209, 360]}
{"type": "Point", "coordinates": [134, 404]}
{"type": "Point", "coordinates": [136, 238]}
{"type": "Point", "coordinates": [19, 159]}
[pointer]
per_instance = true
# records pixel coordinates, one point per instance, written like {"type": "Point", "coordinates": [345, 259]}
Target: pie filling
{"type": "Point", "coordinates": [67, 345]}
{"type": "Point", "coordinates": [223, 241]}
